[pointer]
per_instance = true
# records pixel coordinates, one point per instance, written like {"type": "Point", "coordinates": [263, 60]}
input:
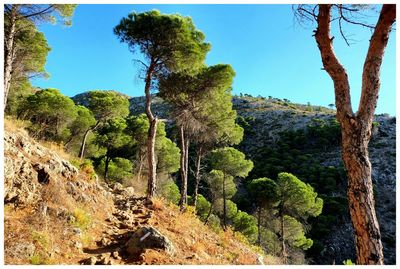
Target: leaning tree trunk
{"type": "Point", "coordinates": [356, 128]}
{"type": "Point", "coordinates": [9, 52]}
{"type": "Point", "coordinates": [83, 145]}
{"type": "Point", "coordinates": [151, 136]}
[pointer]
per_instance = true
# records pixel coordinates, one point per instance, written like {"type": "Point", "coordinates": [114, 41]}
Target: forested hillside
{"type": "Point", "coordinates": [189, 173]}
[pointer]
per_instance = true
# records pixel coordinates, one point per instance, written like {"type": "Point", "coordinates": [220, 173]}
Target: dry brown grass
{"type": "Point", "coordinates": [196, 243]}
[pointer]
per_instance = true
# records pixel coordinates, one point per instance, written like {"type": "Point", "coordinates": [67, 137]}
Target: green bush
{"type": "Point", "coordinates": [170, 192]}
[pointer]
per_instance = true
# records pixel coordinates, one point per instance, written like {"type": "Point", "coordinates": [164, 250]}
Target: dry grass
{"type": "Point", "coordinates": [11, 124]}
{"type": "Point", "coordinates": [196, 243]}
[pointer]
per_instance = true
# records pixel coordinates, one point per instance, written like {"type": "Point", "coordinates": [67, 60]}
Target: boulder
{"type": "Point", "coordinates": [148, 238]}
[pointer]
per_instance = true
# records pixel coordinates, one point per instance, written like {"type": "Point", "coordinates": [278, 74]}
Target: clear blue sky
{"type": "Point", "coordinates": [271, 54]}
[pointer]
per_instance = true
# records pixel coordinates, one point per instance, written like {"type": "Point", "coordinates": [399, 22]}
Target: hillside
{"type": "Point", "coordinates": [272, 127]}
{"type": "Point", "coordinates": [56, 213]}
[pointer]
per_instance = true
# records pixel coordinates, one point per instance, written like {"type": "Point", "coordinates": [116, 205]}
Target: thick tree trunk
{"type": "Point", "coordinates": [197, 175]}
{"type": "Point", "coordinates": [356, 128]}
{"type": "Point", "coordinates": [151, 137]}
{"type": "Point", "coordinates": [361, 199]}
{"type": "Point", "coordinates": [9, 52]}
{"type": "Point", "coordinates": [184, 167]}
{"type": "Point", "coordinates": [83, 145]}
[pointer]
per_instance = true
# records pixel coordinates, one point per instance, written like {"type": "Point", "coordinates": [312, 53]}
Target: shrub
{"type": "Point", "coordinates": [82, 219]}
{"type": "Point", "coordinates": [170, 192]}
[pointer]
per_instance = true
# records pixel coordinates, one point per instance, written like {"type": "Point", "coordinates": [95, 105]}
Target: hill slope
{"type": "Point", "coordinates": [58, 214]}
{"type": "Point", "coordinates": [270, 124]}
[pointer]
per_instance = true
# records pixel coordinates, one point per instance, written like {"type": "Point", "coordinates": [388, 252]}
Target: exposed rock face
{"type": "Point", "coordinates": [148, 237]}
{"type": "Point", "coordinates": [27, 167]}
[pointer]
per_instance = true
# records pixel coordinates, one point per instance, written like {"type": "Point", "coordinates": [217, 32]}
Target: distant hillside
{"type": "Point", "coordinates": [270, 124]}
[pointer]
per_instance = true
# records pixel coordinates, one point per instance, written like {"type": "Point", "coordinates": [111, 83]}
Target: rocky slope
{"type": "Point", "coordinates": [58, 214]}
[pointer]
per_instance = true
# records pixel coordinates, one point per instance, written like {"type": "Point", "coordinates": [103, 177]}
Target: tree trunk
{"type": "Point", "coordinates": [151, 137]}
{"type": "Point", "coordinates": [184, 174]}
{"type": "Point", "coordinates": [361, 199]}
{"type": "Point", "coordinates": [209, 212]}
{"type": "Point", "coordinates": [151, 141]}
{"type": "Point", "coordinates": [83, 145]}
{"type": "Point", "coordinates": [107, 162]}
{"type": "Point", "coordinates": [356, 128]}
{"type": "Point", "coordinates": [259, 226]}
{"type": "Point", "coordinates": [9, 52]}
{"type": "Point", "coordinates": [139, 176]}
{"type": "Point", "coordinates": [224, 204]}
{"type": "Point", "coordinates": [197, 175]}
{"type": "Point", "coordinates": [284, 253]}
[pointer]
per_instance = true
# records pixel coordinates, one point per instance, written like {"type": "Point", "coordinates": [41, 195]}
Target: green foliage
{"type": "Point", "coordinates": [201, 104]}
{"type": "Point", "coordinates": [294, 233]}
{"type": "Point", "coordinates": [348, 262]}
{"type": "Point", "coordinates": [107, 105]}
{"type": "Point", "coordinates": [246, 224]}
{"type": "Point", "coordinates": [111, 135]}
{"type": "Point", "coordinates": [231, 208]}
{"type": "Point", "coordinates": [170, 192]}
{"type": "Point", "coordinates": [50, 112]}
{"type": "Point", "coordinates": [263, 190]}
{"type": "Point", "coordinates": [167, 153]}
{"type": "Point", "coordinates": [202, 206]}
{"type": "Point", "coordinates": [52, 13]}
{"type": "Point", "coordinates": [31, 49]}
{"type": "Point", "coordinates": [215, 223]}
{"type": "Point", "coordinates": [19, 91]}
{"type": "Point", "coordinates": [42, 239]}
{"type": "Point", "coordinates": [171, 39]}
{"type": "Point", "coordinates": [231, 162]}
{"type": "Point", "coordinates": [119, 169]}
{"type": "Point", "coordinates": [297, 198]}
{"type": "Point", "coordinates": [82, 219]}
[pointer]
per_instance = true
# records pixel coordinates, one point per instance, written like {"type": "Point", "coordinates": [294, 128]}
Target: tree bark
{"type": "Point", "coordinates": [83, 145]}
{"type": "Point", "coordinates": [184, 167]}
{"type": "Point", "coordinates": [106, 164]}
{"type": "Point", "coordinates": [151, 137]}
{"type": "Point", "coordinates": [259, 226]}
{"type": "Point", "coordinates": [356, 128]}
{"type": "Point", "coordinates": [224, 204]}
{"type": "Point", "coordinates": [197, 175]}
{"type": "Point", "coordinates": [9, 52]}
{"type": "Point", "coordinates": [209, 212]}
{"type": "Point", "coordinates": [284, 252]}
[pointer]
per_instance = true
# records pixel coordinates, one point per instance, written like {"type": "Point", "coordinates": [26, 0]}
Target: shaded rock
{"type": "Point", "coordinates": [148, 238]}
{"type": "Point", "coordinates": [89, 261]}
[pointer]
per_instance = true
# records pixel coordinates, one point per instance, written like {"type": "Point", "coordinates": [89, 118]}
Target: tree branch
{"type": "Point", "coordinates": [331, 64]}
{"type": "Point", "coordinates": [373, 62]}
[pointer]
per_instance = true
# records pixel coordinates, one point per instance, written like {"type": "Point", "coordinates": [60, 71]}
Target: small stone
{"type": "Point", "coordinates": [115, 255]}
{"type": "Point", "coordinates": [77, 231]}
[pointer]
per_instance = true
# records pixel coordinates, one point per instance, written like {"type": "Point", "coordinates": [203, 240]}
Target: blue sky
{"type": "Point", "coordinates": [271, 54]}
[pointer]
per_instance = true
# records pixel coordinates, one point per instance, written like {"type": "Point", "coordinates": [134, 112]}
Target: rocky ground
{"type": "Point", "coordinates": [56, 213]}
